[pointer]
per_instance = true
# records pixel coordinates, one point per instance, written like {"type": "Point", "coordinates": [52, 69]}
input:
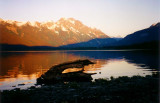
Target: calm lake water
{"type": "Point", "coordinates": [24, 67]}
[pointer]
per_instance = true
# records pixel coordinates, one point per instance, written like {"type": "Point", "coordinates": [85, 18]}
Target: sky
{"type": "Point", "coordinates": [113, 17]}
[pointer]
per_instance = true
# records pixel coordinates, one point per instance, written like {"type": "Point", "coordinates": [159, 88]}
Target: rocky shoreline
{"type": "Point", "coordinates": [134, 89]}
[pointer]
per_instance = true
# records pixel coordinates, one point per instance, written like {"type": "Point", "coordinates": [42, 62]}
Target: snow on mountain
{"type": "Point", "coordinates": [20, 23]}
{"type": "Point", "coordinates": [72, 21]}
{"type": "Point", "coordinates": [64, 29]}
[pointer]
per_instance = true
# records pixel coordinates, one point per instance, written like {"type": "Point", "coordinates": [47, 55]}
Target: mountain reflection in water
{"type": "Point", "coordinates": [25, 67]}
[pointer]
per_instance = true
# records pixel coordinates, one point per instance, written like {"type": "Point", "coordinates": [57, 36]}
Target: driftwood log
{"type": "Point", "coordinates": [54, 74]}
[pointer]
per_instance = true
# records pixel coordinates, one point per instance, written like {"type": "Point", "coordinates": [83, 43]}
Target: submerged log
{"type": "Point", "coordinates": [54, 74]}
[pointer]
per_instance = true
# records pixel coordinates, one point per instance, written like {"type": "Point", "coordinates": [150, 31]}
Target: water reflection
{"type": "Point", "coordinates": [141, 58]}
{"type": "Point", "coordinates": [25, 67]}
{"type": "Point", "coordinates": [29, 63]}
{"type": "Point", "coordinates": [118, 68]}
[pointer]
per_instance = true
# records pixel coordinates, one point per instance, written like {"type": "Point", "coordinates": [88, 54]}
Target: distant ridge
{"type": "Point", "coordinates": [142, 36]}
{"type": "Point", "coordinates": [98, 42]}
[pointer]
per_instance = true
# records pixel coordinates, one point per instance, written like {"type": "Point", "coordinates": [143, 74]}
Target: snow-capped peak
{"type": "Point", "coordinates": [63, 28]}
{"type": "Point", "coordinates": [52, 27]}
{"type": "Point", "coordinates": [20, 23]}
{"type": "Point", "coordinates": [72, 21]}
{"type": "Point", "coordinates": [10, 21]}
{"type": "Point", "coordinates": [31, 23]}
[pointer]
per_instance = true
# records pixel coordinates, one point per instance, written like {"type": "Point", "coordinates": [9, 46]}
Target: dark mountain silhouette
{"type": "Point", "coordinates": [98, 42]}
{"type": "Point", "coordinates": [146, 35]}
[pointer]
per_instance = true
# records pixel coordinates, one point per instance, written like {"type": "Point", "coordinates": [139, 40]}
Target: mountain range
{"type": "Point", "coordinates": [70, 33]}
{"type": "Point", "coordinates": [63, 32]}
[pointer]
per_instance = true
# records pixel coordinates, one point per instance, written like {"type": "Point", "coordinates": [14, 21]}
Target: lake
{"type": "Point", "coordinates": [20, 69]}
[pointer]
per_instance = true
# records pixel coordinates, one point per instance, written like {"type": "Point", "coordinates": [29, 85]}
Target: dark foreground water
{"type": "Point", "coordinates": [20, 69]}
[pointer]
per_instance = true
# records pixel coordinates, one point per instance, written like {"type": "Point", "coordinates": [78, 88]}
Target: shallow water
{"type": "Point", "coordinates": [24, 67]}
